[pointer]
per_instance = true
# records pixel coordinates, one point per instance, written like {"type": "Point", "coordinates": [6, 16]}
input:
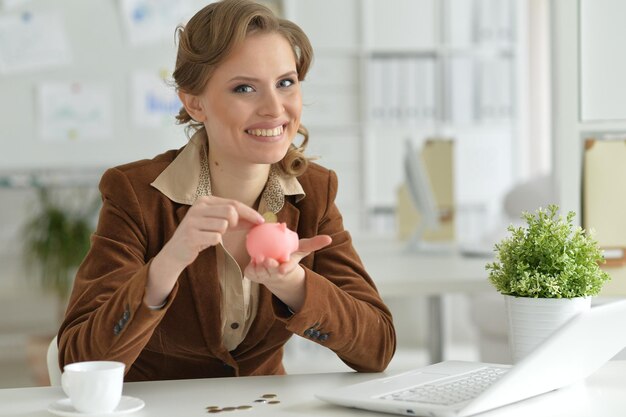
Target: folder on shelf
{"type": "Point", "coordinates": [604, 204]}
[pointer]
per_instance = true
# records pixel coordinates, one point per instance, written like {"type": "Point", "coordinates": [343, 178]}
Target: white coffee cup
{"type": "Point", "coordinates": [95, 386]}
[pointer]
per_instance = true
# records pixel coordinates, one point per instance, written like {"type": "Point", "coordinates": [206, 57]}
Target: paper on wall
{"type": "Point", "coordinates": [149, 21]}
{"type": "Point", "coordinates": [32, 41]}
{"type": "Point", "coordinates": [154, 102]}
{"type": "Point", "coordinates": [72, 111]}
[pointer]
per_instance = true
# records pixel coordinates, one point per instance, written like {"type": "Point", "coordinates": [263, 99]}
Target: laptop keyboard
{"type": "Point", "coordinates": [448, 392]}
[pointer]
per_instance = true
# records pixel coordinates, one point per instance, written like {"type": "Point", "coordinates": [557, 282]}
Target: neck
{"type": "Point", "coordinates": [244, 184]}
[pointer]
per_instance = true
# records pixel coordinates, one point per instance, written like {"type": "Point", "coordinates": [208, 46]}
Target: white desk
{"type": "Point", "coordinates": [398, 272]}
{"type": "Point", "coordinates": [602, 394]}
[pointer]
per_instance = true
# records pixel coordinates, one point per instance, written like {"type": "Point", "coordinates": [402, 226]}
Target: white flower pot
{"type": "Point", "coordinates": [532, 320]}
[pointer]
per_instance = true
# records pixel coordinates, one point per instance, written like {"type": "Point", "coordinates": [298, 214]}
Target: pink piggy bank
{"type": "Point", "coordinates": [271, 240]}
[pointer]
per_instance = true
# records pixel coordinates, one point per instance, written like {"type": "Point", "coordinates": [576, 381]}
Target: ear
{"type": "Point", "coordinates": [192, 105]}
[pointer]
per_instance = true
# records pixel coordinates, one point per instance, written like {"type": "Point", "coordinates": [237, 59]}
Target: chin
{"type": "Point", "coordinates": [271, 156]}
{"type": "Point", "coordinates": [271, 159]}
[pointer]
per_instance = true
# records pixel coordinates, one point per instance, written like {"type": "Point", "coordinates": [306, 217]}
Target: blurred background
{"type": "Point", "coordinates": [496, 98]}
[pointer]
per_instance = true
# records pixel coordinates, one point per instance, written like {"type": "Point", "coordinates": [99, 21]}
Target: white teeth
{"type": "Point", "coordinates": [266, 132]}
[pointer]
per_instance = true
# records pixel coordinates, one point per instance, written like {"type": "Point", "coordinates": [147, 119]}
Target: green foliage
{"type": "Point", "coordinates": [57, 238]}
{"type": "Point", "coordinates": [548, 258]}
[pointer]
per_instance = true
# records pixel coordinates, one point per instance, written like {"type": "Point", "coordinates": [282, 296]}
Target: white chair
{"type": "Point", "coordinates": [52, 360]}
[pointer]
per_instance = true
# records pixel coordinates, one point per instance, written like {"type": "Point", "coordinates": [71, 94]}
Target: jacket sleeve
{"type": "Point", "coordinates": [342, 309]}
{"type": "Point", "coordinates": [106, 318]}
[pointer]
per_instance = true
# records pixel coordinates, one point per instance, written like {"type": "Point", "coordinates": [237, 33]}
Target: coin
{"type": "Point", "coordinates": [229, 409]}
{"type": "Point", "coordinates": [244, 407]}
{"type": "Point", "coordinates": [212, 407]}
{"type": "Point", "coordinates": [273, 402]}
{"type": "Point", "coordinates": [268, 396]}
{"type": "Point", "coordinates": [214, 410]}
{"type": "Point", "coordinates": [270, 217]}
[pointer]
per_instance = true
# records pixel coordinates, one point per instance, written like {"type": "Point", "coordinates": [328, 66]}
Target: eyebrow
{"type": "Point", "coordinates": [252, 79]}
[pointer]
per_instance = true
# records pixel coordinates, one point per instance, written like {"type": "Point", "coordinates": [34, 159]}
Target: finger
{"type": "Point", "coordinates": [306, 246]}
{"type": "Point", "coordinates": [227, 212]}
{"type": "Point", "coordinates": [315, 243]}
{"type": "Point", "coordinates": [245, 224]}
{"type": "Point", "coordinates": [270, 264]}
{"type": "Point", "coordinates": [210, 224]}
{"type": "Point", "coordinates": [208, 238]}
{"type": "Point", "coordinates": [248, 217]}
{"type": "Point", "coordinates": [243, 214]}
{"type": "Point", "coordinates": [287, 267]}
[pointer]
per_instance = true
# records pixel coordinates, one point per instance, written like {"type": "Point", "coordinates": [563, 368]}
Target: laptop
{"type": "Point", "coordinates": [458, 388]}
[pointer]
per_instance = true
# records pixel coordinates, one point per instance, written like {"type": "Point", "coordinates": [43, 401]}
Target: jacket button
{"type": "Point", "coordinates": [234, 325]}
{"type": "Point", "coordinates": [323, 337]}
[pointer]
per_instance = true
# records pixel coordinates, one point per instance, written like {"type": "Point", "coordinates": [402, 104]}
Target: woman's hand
{"type": "Point", "coordinates": [203, 226]}
{"type": "Point", "coordinates": [286, 280]}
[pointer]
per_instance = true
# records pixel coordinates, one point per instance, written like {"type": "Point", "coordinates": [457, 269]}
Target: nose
{"type": "Point", "coordinates": [271, 104]}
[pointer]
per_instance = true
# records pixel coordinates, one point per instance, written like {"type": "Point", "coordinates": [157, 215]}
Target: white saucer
{"type": "Point", "coordinates": [65, 408]}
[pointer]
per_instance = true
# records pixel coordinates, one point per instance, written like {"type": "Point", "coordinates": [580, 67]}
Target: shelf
{"type": "Point", "coordinates": [400, 52]}
{"type": "Point", "coordinates": [441, 52]}
{"type": "Point", "coordinates": [61, 178]}
{"type": "Point", "coordinates": [479, 51]}
{"type": "Point", "coordinates": [442, 128]}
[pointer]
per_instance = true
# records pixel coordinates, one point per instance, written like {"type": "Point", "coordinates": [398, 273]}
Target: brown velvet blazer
{"type": "Point", "coordinates": [106, 318]}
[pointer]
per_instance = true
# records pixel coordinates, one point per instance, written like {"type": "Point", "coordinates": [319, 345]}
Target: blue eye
{"type": "Point", "coordinates": [244, 88]}
{"type": "Point", "coordinates": [287, 82]}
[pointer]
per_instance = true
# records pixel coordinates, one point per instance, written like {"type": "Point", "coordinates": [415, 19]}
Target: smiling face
{"type": "Point", "coordinates": [252, 103]}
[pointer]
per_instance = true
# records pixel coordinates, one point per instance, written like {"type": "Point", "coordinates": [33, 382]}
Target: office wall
{"type": "Point", "coordinates": [602, 65]}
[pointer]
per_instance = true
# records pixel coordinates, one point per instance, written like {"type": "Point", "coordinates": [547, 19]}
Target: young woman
{"type": "Point", "coordinates": [168, 287]}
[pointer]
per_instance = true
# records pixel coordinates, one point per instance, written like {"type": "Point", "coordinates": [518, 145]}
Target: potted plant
{"type": "Point", "coordinates": [56, 238]}
{"type": "Point", "coordinates": [547, 270]}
